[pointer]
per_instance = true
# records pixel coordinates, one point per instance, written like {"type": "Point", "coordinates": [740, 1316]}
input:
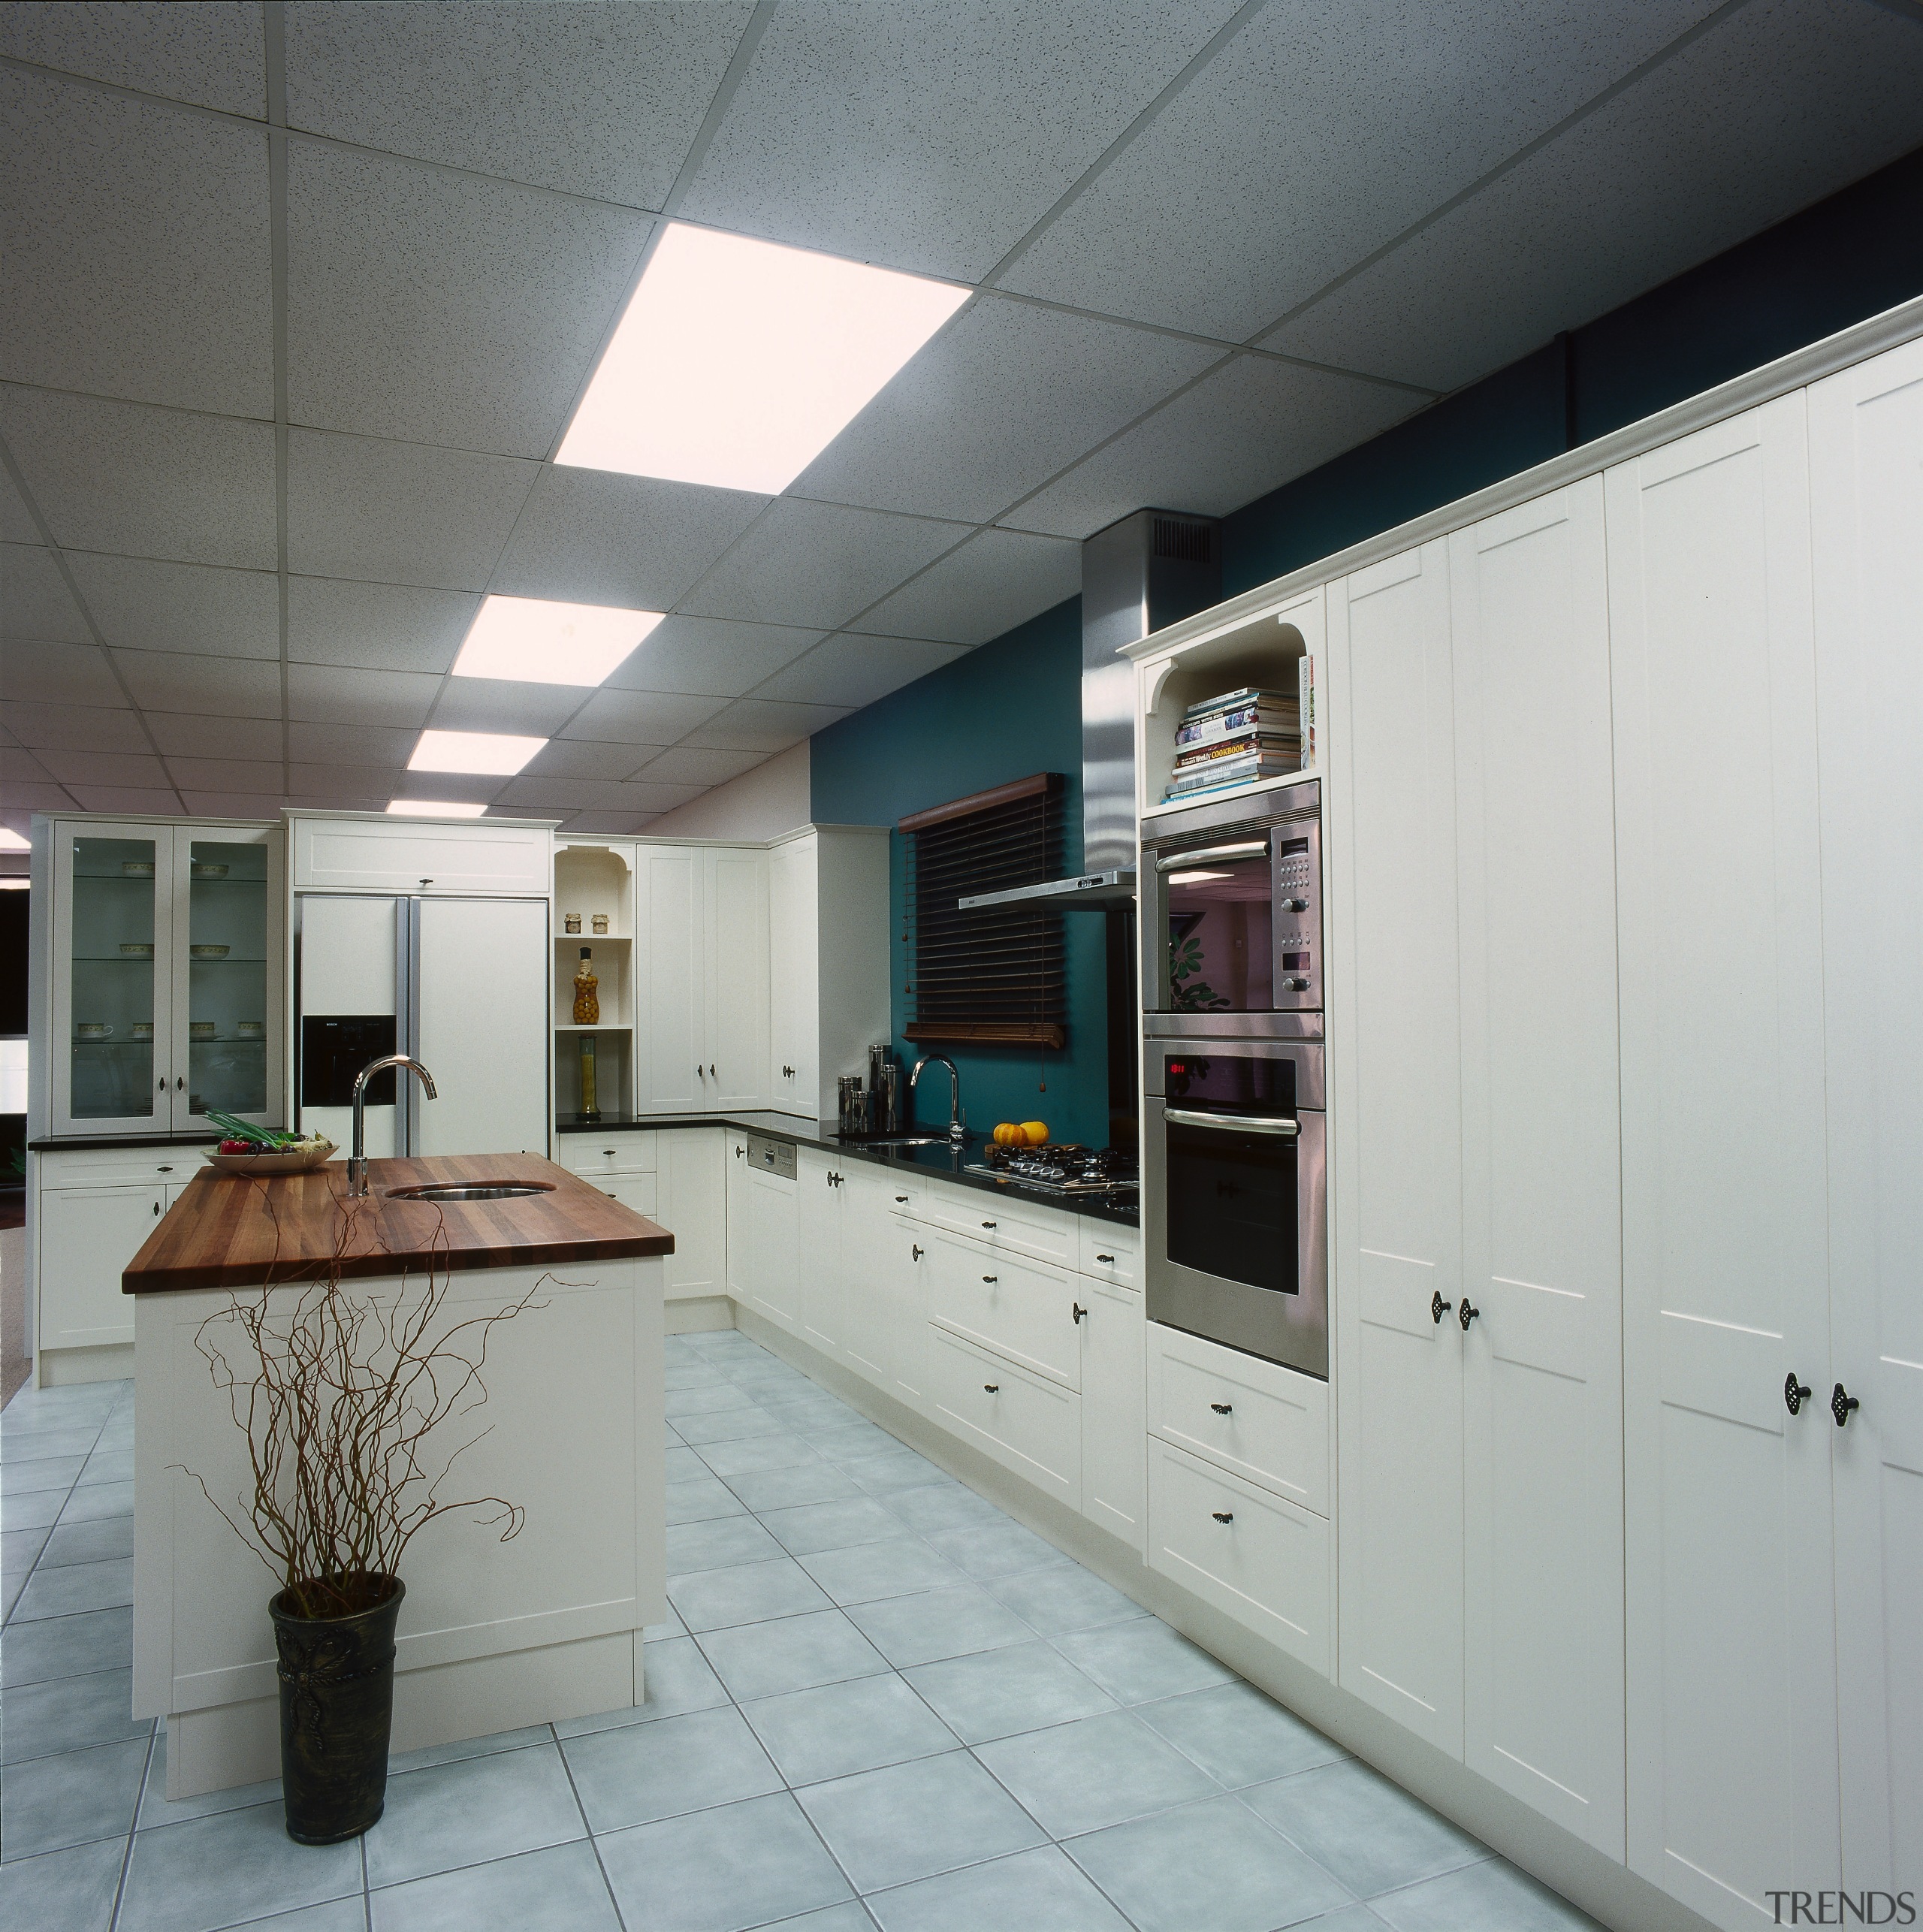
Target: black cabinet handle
{"type": "Point", "coordinates": [179, 1082]}
{"type": "Point", "coordinates": [1841, 1404]}
{"type": "Point", "coordinates": [1223, 1515]}
{"type": "Point", "coordinates": [988, 1223]}
{"type": "Point", "coordinates": [162, 1083]}
{"type": "Point", "coordinates": [164, 1169]}
{"type": "Point", "coordinates": [1794, 1393]}
{"type": "Point", "coordinates": [990, 1278]}
{"type": "Point", "coordinates": [1467, 1314]}
{"type": "Point", "coordinates": [914, 1253]}
{"type": "Point", "coordinates": [156, 1207]}
{"type": "Point", "coordinates": [608, 1152]}
{"type": "Point", "coordinates": [1438, 1308]}
{"type": "Point", "coordinates": [1105, 1257]}
{"type": "Point", "coordinates": [993, 1388]}
{"type": "Point", "coordinates": [900, 1198]}
{"type": "Point", "coordinates": [1223, 1408]}
{"type": "Point", "coordinates": [1081, 1313]}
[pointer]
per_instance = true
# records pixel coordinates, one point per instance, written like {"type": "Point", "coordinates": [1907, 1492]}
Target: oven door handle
{"type": "Point", "coordinates": [1172, 862]}
{"type": "Point", "coordinates": [1231, 1123]}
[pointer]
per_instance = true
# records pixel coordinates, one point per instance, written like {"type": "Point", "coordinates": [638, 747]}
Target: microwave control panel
{"type": "Point", "coordinates": [1298, 922]}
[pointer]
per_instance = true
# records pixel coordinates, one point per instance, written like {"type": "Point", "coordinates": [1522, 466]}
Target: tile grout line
{"type": "Point", "coordinates": [588, 1823]}
{"type": "Point", "coordinates": [133, 1828]}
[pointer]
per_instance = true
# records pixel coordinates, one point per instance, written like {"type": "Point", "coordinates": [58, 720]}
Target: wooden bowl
{"type": "Point", "coordinates": [298, 1162]}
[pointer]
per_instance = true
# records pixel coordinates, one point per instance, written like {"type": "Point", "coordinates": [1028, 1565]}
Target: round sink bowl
{"type": "Point", "coordinates": [896, 1140]}
{"type": "Point", "coordinates": [470, 1191]}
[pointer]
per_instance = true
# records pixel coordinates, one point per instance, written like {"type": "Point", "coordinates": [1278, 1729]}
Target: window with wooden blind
{"type": "Point", "coordinates": [994, 974]}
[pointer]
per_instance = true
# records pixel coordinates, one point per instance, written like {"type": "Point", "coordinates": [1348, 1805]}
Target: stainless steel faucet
{"type": "Point", "coordinates": [958, 1130]}
{"type": "Point", "coordinates": [357, 1162]}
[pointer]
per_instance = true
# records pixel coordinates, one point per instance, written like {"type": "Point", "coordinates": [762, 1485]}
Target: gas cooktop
{"type": "Point", "coordinates": [1102, 1173]}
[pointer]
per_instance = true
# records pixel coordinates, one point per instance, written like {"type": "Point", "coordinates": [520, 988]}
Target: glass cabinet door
{"type": "Point", "coordinates": [223, 1023]}
{"type": "Point", "coordinates": [113, 1004]}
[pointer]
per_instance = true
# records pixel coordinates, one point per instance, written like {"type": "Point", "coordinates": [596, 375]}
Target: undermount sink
{"type": "Point", "coordinates": [898, 1140]}
{"type": "Point", "coordinates": [470, 1191]}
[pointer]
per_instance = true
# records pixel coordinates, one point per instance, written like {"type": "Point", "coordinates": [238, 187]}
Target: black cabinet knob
{"type": "Point", "coordinates": [1438, 1308]}
{"type": "Point", "coordinates": [899, 1199]}
{"type": "Point", "coordinates": [1081, 1313]}
{"type": "Point", "coordinates": [1794, 1393]}
{"type": "Point", "coordinates": [1466, 1314]}
{"type": "Point", "coordinates": [988, 1223]}
{"type": "Point", "coordinates": [1223, 1408]}
{"type": "Point", "coordinates": [914, 1253]}
{"type": "Point", "coordinates": [993, 1388]}
{"type": "Point", "coordinates": [990, 1278]}
{"type": "Point", "coordinates": [1841, 1404]}
{"type": "Point", "coordinates": [1223, 1515]}
{"type": "Point", "coordinates": [1105, 1257]}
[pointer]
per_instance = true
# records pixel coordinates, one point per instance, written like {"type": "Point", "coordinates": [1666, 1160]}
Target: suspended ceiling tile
{"type": "Point", "coordinates": [690, 765]}
{"type": "Point", "coordinates": [142, 605]}
{"type": "Point", "coordinates": [18, 801]}
{"type": "Point", "coordinates": [213, 53]}
{"type": "Point", "coordinates": [762, 725]}
{"type": "Point", "coordinates": [399, 512]}
{"type": "Point", "coordinates": [543, 793]}
{"type": "Point", "coordinates": [1243, 431]}
{"type": "Point", "coordinates": [588, 536]}
{"type": "Point", "coordinates": [571, 758]}
{"type": "Point", "coordinates": [58, 674]}
{"type": "Point", "coordinates": [258, 775]}
{"type": "Point", "coordinates": [323, 744]}
{"type": "Point", "coordinates": [136, 238]}
{"type": "Point", "coordinates": [638, 795]}
{"type": "Point", "coordinates": [105, 767]}
{"type": "Point", "coordinates": [996, 581]}
{"type": "Point", "coordinates": [710, 655]}
{"type": "Point", "coordinates": [73, 727]}
{"type": "Point", "coordinates": [856, 670]}
{"type": "Point", "coordinates": [451, 788]}
{"type": "Point", "coordinates": [35, 600]}
{"type": "Point", "coordinates": [328, 694]}
{"type": "Point", "coordinates": [117, 476]}
{"type": "Point", "coordinates": [489, 704]}
{"type": "Point", "coordinates": [640, 717]}
{"type": "Point", "coordinates": [1811, 98]}
{"type": "Point", "coordinates": [817, 563]}
{"type": "Point", "coordinates": [180, 734]}
{"type": "Point", "coordinates": [21, 768]}
{"type": "Point", "coordinates": [600, 100]}
{"type": "Point", "coordinates": [16, 524]}
{"type": "Point", "coordinates": [928, 137]}
{"type": "Point", "coordinates": [1003, 398]}
{"type": "Point", "coordinates": [167, 680]}
{"type": "Point", "coordinates": [608, 825]}
{"type": "Point", "coordinates": [440, 309]}
{"type": "Point", "coordinates": [375, 626]}
{"type": "Point", "coordinates": [125, 801]}
{"type": "Point", "coordinates": [339, 788]}
{"type": "Point", "coordinates": [1316, 135]}
{"type": "Point", "coordinates": [234, 805]}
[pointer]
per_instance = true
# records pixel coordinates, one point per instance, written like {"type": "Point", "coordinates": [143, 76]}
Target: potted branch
{"type": "Point", "coordinates": [344, 1389]}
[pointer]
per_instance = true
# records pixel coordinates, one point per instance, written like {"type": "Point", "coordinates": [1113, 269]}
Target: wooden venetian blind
{"type": "Point", "coordinates": [994, 974]}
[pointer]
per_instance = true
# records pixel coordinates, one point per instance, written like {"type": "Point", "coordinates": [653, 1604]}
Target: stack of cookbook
{"type": "Point", "coordinates": [1234, 739]}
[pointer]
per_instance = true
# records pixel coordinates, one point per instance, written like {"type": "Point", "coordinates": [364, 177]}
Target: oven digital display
{"type": "Point", "coordinates": [1230, 1082]}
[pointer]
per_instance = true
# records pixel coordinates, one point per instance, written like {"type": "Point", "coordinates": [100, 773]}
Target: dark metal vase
{"type": "Point", "coordinates": [337, 1711]}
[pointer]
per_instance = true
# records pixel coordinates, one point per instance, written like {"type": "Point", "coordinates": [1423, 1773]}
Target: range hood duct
{"type": "Point", "coordinates": [1150, 569]}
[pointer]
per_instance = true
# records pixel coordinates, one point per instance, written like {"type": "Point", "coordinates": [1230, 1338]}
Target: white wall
{"type": "Point", "coordinates": [763, 803]}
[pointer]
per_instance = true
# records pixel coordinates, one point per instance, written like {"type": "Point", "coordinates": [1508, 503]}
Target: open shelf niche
{"type": "Point", "coordinates": [591, 879]}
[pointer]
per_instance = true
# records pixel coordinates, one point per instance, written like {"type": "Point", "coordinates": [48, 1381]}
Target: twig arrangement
{"type": "Point", "coordinates": [338, 1393]}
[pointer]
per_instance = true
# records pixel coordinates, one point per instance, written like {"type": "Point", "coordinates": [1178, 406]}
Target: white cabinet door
{"type": "Point", "coordinates": [773, 1232]}
{"type": "Point", "coordinates": [910, 1331]}
{"type": "Point", "coordinates": [735, 903]}
{"type": "Point", "coordinates": [1866, 435]}
{"type": "Point", "coordinates": [1114, 1432]}
{"type": "Point", "coordinates": [816, 1262]}
{"type": "Point", "coordinates": [741, 1244]}
{"type": "Point", "coordinates": [874, 1248]}
{"type": "Point", "coordinates": [379, 855]}
{"type": "Point", "coordinates": [794, 957]}
{"type": "Point", "coordinates": [694, 1207]}
{"type": "Point", "coordinates": [87, 1237]}
{"type": "Point", "coordinates": [1396, 1176]}
{"type": "Point", "coordinates": [671, 1036]}
{"type": "Point", "coordinates": [1541, 1230]}
{"type": "Point", "coordinates": [1731, 1648]}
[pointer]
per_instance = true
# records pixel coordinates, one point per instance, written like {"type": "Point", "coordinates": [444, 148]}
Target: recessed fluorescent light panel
{"type": "Point", "coordinates": [433, 808]}
{"type": "Point", "coordinates": [529, 641]}
{"type": "Point", "coordinates": [739, 361]}
{"type": "Point", "coordinates": [492, 754]}
{"type": "Point", "coordinates": [11, 841]}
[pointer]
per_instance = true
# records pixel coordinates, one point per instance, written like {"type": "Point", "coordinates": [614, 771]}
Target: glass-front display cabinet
{"type": "Point", "coordinates": [167, 984]}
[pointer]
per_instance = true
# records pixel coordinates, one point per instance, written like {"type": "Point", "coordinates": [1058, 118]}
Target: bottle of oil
{"type": "Point", "coordinates": [586, 991]}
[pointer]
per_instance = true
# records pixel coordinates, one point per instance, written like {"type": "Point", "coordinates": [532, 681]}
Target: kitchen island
{"type": "Point", "coordinates": [493, 1635]}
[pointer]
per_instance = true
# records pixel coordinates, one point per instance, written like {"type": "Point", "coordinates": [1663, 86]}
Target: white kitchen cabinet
{"type": "Point", "coordinates": [773, 1220]}
{"type": "Point", "coordinates": [817, 1263]}
{"type": "Point", "coordinates": [694, 1209]}
{"type": "Point", "coordinates": [740, 1264]}
{"type": "Point", "coordinates": [86, 1237]}
{"type": "Point", "coordinates": [1021, 1311]}
{"type": "Point", "coordinates": [1114, 1470]}
{"type": "Point", "coordinates": [873, 1254]}
{"type": "Point", "coordinates": [641, 1192]}
{"type": "Point", "coordinates": [794, 1075]}
{"type": "Point", "coordinates": [351, 852]}
{"type": "Point", "coordinates": [671, 995]}
{"type": "Point", "coordinates": [1731, 1648]}
{"type": "Point", "coordinates": [1541, 1241]}
{"type": "Point", "coordinates": [1866, 451]}
{"type": "Point", "coordinates": [735, 971]}
{"type": "Point", "coordinates": [1394, 1063]}
{"type": "Point", "coordinates": [1027, 1423]}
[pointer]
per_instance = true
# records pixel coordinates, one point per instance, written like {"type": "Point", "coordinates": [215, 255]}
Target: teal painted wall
{"type": "Point", "coordinates": [1013, 708]}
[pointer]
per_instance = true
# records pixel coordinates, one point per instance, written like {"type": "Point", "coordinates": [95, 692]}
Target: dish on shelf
{"type": "Point", "coordinates": [251, 1029]}
{"type": "Point", "coordinates": [137, 868]}
{"type": "Point", "coordinates": [201, 869]}
{"type": "Point", "coordinates": [201, 1029]}
{"type": "Point", "coordinates": [142, 1029]}
{"type": "Point", "coordinates": [92, 1029]}
{"type": "Point", "coordinates": [136, 949]}
{"type": "Point", "coordinates": [207, 952]}
{"type": "Point", "coordinates": [290, 1161]}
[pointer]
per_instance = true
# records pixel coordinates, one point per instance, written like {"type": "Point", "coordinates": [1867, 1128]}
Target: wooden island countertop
{"type": "Point", "coordinates": [236, 1231]}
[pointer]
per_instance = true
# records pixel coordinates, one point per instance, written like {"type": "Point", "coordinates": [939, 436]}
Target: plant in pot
{"type": "Point", "coordinates": [344, 1390]}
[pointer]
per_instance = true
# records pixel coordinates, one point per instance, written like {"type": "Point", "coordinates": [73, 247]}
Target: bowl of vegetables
{"type": "Point", "coordinates": [249, 1149]}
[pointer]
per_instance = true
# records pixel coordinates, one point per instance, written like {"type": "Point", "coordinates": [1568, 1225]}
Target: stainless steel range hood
{"type": "Point", "coordinates": [1145, 571]}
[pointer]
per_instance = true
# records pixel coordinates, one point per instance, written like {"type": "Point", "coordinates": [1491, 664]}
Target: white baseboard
{"type": "Point", "coordinates": [698, 1315]}
{"type": "Point", "coordinates": [62, 1368]}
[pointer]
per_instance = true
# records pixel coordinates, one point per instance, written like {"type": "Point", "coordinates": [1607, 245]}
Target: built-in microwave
{"type": "Point", "coordinates": [1232, 915]}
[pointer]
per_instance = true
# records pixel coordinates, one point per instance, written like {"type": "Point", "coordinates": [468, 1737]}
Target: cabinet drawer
{"type": "Point", "coordinates": [1018, 1226]}
{"type": "Point", "coordinates": [591, 1154]}
{"type": "Point", "coordinates": [1015, 1307]}
{"type": "Point", "coordinates": [1112, 1252]}
{"type": "Point", "coordinates": [1256, 1558]}
{"type": "Point", "coordinates": [1027, 1423]}
{"type": "Point", "coordinates": [1260, 1421]}
{"type": "Point", "coordinates": [641, 1192]}
{"type": "Point", "coordinates": [120, 1167]}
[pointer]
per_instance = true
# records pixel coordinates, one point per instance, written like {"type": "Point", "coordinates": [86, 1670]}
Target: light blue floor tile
{"type": "Point", "coordinates": [848, 1918]}
{"type": "Point", "coordinates": [39, 1509]}
{"type": "Point", "coordinates": [92, 1501]}
{"type": "Point", "coordinates": [109, 1538]}
{"type": "Point", "coordinates": [464, 1813]}
{"type": "Point", "coordinates": [431, 1755]}
{"type": "Point", "coordinates": [1239, 1736]}
{"type": "Point", "coordinates": [854, 1442]}
{"type": "Point", "coordinates": [70, 1589]}
{"type": "Point", "coordinates": [997, 1693]}
{"type": "Point", "coordinates": [952, 1622]}
{"type": "Point", "coordinates": [1033, 1891]}
{"type": "Point", "coordinates": [66, 1647]}
{"type": "Point", "coordinates": [340, 1915]}
{"type": "Point", "coordinates": [642, 1772]}
{"type": "Point", "coordinates": [20, 1548]}
{"type": "Point", "coordinates": [720, 1870]}
{"type": "Point", "coordinates": [704, 1399]}
{"type": "Point", "coordinates": [228, 1869]}
{"type": "Point", "coordinates": [62, 1891]}
{"type": "Point", "coordinates": [559, 1890]}
{"type": "Point", "coordinates": [902, 1470]}
{"type": "Point", "coordinates": [873, 1570]}
{"type": "Point", "coordinates": [1370, 1833]}
{"type": "Point", "coordinates": [996, 1549]}
{"type": "Point", "coordinates": [810, 1527]}
{"type": "Point", "coordinates": [670, 1626]}
{"type": "Point", "coordinates": [68, 1714]}
{"type": "Point", "coordinates": [11, 1584]}
{"type": "Point", "coordinates": [1095, 1772]}
{"type": "Point", "coordinates": [838, 1729]}
{"type": "Point", "coordinates": [23, 1475]}
{"type": "Point", "coordinates": [701, 1500]}
{"type": "Point", "coordinates": [946, 1504]}
{"type": "Point", "coordinates": [748, 1593]}
{"type": "Point", "coordinates": [729, 1425]}
{"type": "Point", "coordinates": [791, 1653]}
{"type": "Point", "coordinates": [1142, 1659]}
{"type": "Point", "coordinates": [718, 1543]}
{"type": "Point", "coordinates": [48, 1803]}
{"type": "Point", "coordinates": [108, 1466]}
{"type": "Point", "coordinates": [55, 1437]}
{"type": "Point", "coordinates": [672, 1437]}
{"type": "Point", "coordinates": [812, 1481]}
{"type": "Point", "coordinates": [1067, 1598]}
{"type": "Point", "coordinates": [683, 1466]}
{"type": "Point", "coordinates": [1206, 1868]}
{"type": "Point", "coordinates": [157, 1809]}
{"type": "Point", "coordinates": [909, 1822]}
{"type": "Point", "coordinates": [678, 1373]}
{"type": "Point", "coordinates": [1492, 1896]}
{"type": "Point", "coordinates": [759, 1452]}
{"type": "Point", "coordinates": [677, 1681]}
